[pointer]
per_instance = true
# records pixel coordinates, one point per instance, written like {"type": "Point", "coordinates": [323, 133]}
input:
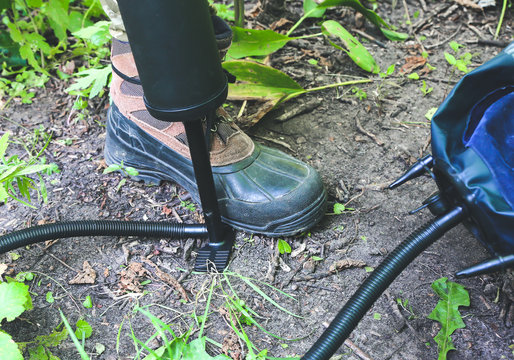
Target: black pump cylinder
{"type": "Point", "coordinates": [176, 55]}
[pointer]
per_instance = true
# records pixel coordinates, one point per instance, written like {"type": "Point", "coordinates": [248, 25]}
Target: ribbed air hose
{"type": "Point", "coordinates": [54, 231]}
{"type": "Point", "coordinates": [379, 280]}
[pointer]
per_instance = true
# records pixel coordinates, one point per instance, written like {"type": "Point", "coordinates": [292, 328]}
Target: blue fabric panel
{"type": "Point", "coordinates": [492, 138]}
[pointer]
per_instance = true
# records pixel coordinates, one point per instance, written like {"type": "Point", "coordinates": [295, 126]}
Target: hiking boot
{"type": "Point", "coordinates": [259, 189]}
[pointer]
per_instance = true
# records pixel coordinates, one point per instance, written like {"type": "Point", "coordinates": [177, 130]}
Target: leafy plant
{"type": "Point", "coordinates": [124, 170]}
{"type": "Point", "coordinates": [15, 174]}
{"type": "Point", "coordinates": [447, 313]}
{"type": "Point", "coordinates": [39, 38]}
{"type": "Point", "coordinates": [462, 62]}
{"type": "Point", "coordinates": [425, 89]}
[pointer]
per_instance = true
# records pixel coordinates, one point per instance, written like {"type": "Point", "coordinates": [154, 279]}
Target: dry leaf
{"type": "Point", "coordinates": [231, 347]}
{"type": "Point", "coordinates": [411, 63]}
{"type": "Point", "coordinates": [130, 277]}
{"type": "Point", "coordinates": [168, 279]}
{"type": "Point", "coordinates": [86, 276]}
{"type": "Point", "coordinates": [345, 264]}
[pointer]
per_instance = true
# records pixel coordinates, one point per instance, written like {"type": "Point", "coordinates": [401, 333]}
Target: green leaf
{"type": "Point", "coordinates": [84, 330]}
{"type": "Point", "coordinates": [356, 5]}
{"type": "Point", "coordinates": [447, 312]}
{"type": "Point", "coordinates": [413, 76]}
{"type": "Point", "coordinates": [4, 142]}
{"type": "Point", "coordinates": [430, 113]}
{"type": "Point", "coordinates": [98, 33]}
{"type": "Point", "coordinates": [394, 35]}
{"type": "Point", "coordinates": [455, 46]}
{"type": "Point", "coordinates": [450, 58]}
{"type": "Point", "coordinates": [259, 82]}
{"type": "Point", "coordinates": [50, 297]}
{"type": "Point", "coordinates": [15, 299]}
{"type": "Point", "coordinates": [8, 348]}
{"type": "Point", "coordinates": [54, 339]}
{"type": "Point", "coordinates": [131, 171]}
{"type": "Point", "coordinates": [57, 12]}
{"type": "Point", "coordinates": [284, 247]}
{"type": "Point", "coordinates": [353, 47]}
{"type": "Point", "coordinates": [377, 316]}
{"type": "Point", "coordinates": [94, 78]}
{"type": "Point", "coordinates": [88, 303]}
{"type": "Point", "coordinates": [247, 42]}
{"type": "Point", "coordinates": [310, 9]}
{"type": "Point", "coordinates": [339, 208]}
{"type": "Point", "coordinates": [112, 168]}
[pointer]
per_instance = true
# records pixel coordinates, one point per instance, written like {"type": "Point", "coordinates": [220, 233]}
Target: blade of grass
{"type": "Point", "coordinates": [73, 337]}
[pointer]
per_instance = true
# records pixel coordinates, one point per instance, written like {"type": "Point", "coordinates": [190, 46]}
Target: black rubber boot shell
{"type": "Point", "coordinates": [269, 192]}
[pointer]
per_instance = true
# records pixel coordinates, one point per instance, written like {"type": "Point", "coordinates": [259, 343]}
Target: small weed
{"type": "Point", "coordinates": [125, 170]}
{"type": "Point", "coordinates": [187, 205]}
{"type": "Point", "coordinates": [404, 304]}
{"type": "Point", "coordinates": [339, 209]}
{"type": "Point", "coordinates": [359, 93]}
{"type": "Point", "coordinates": [283, 247]}
{"type": "Point", "coordinates": [15, 173]}
{"type": "Point", "coordinates": [425, 89]}
{"type": "Point", "coordinates": [462, 62]}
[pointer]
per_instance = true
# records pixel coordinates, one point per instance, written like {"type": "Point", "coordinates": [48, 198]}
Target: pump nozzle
{"type": "Point", "coordinates": [488, 266]}
{"type": "Point", "coordinates": [417, 169]}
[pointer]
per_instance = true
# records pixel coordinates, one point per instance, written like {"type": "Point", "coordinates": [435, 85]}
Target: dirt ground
{"type": "Point", "coordinates": [358, 147]}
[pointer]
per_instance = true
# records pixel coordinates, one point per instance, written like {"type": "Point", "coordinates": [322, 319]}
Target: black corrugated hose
{"type": "Point", "coordinates": [379, 280]}
{"type": "Point", "coordinates": [54, 231]}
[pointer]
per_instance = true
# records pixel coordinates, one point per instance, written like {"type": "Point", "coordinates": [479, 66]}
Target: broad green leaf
{"type": "Point", "coordinates": [310, 9]}
{"type": "Point", "coordinates": [14, 298]}
{"type": "Point", "coordinates": [50, 297]}
{"type": "Point", "coordinates": [84, 330]}
{"type": "Point", "coordinates": [356, 5]}
{"type": "Point", "coordinates": [447, 312]}
{"type": "Point", "coordinates": [8, 348]}
{"type": "Point", "coordinates": [98, 33]}
{"type": "Point", "coordinates": [247, 42]}
{"type": "Point", "coordinates": [353, 47]}
{"type": "Point", "coordinates": [57, 12]}
{"type": "Point", "coordinates": [94, 78]}
{"type": "Point", "coordinates": [259, 82]}
{"type": "Point", "coordinates": [394, 35]}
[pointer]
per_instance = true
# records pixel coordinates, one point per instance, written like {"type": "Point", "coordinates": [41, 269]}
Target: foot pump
{"type": "Point", "coordinates": [472, 157]}
{"type": "Point", "coordinates": [183, 81]}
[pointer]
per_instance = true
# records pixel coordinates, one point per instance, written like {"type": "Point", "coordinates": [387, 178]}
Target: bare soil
{"type": "Point", "coordinates": [358, 147]}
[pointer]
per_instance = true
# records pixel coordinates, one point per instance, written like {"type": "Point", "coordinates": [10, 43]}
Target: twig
{"type": "Point", "coordinates": [296, 110]}
{"type": "Point", "coordinates": [421, 23]}
{"type": "Point", "coordinates": [367, 133]}
{"type": "Point", "coordinates": [356, 350]}
{"type": "Point", "coordinates": [445, 40]}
